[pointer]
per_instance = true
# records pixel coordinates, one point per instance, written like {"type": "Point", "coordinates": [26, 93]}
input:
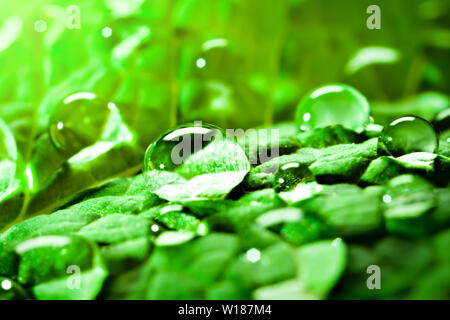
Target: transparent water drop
{"type": "Point", "coordinates": [207, 100]}
{"type": "Point", "coordinates": [333, 104]}
{"type": "Point", "coordinates": [220, 84]}
{"type": "Point", "coordinates": [194, 161]}
{"type": "Point", "coordinates": [11, 290]}
{"type": "Point", "coordinates": [289, 175]}
{"type": "Point", "coordinates": [253, 255]}
{"type": "Point", "coordinates": [407, 135]}
{"type": "Point", "coordinates": [214, 60]}
{"type": "Point", "coordinates": [79, 121]}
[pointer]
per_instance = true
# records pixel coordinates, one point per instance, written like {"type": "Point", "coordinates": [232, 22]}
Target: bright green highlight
{"type": "Point", "coordinates": [333, 104]}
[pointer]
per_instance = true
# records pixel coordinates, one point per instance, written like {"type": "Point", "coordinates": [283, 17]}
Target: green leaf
{"type": "Point", "coordinates": [371, 55]}
{"type": "Point", "coordinates": [425, 105]}
{"type": "Point", "coordinates": [328, 136]}
{"type": "Point", "coordinates": [47, 263]}
{"type": "Point", "coordinates": [277, 263]}
{"type": "Point", "coordinates": [301, 192]}
{"type": "Point", "coordinates": [117, 204]}
{"type": "Point", "coordinates": [129, 285]}
{"type": "Point", "coordinates": [408, 200]}
{"type": "Point", "coordinates": [173, 238]}
{"type": "Point", "coordinates": [256, 181]}
{"type": "Point", "coordinates": [284, 290]}
{"type": "Point", "coordinates": [303, 231]}
{"type": "Point", "coordinates": [63, 222]}
{"type": "Point", "coordinates": [226, 290]}
{"type": "Point", "coordinates": [275, 140]}
{"type": "Point", "coordinates": [441, 242]}
{"type": "Point", "coordinates": [347, 209]}
{"type": "Point", "coordinates": [321, 265]}
{"type": "Point", "coordinates": [171, 286]}
{"type": "Point", "coordinates": [344, 163]}
{"type": "Point", "coordinates": [11, 290]}
{"type": "Point", "coordinates": [116, 228]}
{"type": "Point", "coordinates": [277, 216]}
{"type": "Point", "coordinates": [123, 256]}
{"type": "Point", "coordinates": [8, 261]}
{"type": "Point", "coordinates": [383, 169]}
{"type": "Point", "coordinates": [89, 168]}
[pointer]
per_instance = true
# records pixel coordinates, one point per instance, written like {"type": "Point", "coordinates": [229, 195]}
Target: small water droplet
{"type": "Point", "coordinates": [213, 58]}
{"type": "Point", "coordinates": [107, 32]}
{"type": "Point", "coordinates": [155, 228]}
{"type": "Point", "coordinates": [194, 161]}
{"type": "Point", "coordinates": [201, 63]}
{"type": "Point", "coordinates": [253, 255]}
{"type": "Point", "coordinates": [334, 104]}
{"type": "Point", "coordinates": [407, 135]}
{"type": "Point", "coordinates": [40, 26]}
{"type": "Point", "coordinates": [203, 229]}
{"type": "Point", "coordinates": [387, 198]}
{"type": "Point", "coordinates": [6, 284]}
{"type": "Point", "coordinates": [78, 121]}
{"type": "Point", "coordinates": [336, 242]}
{"type": "Point", "coordinates": [289, 175]}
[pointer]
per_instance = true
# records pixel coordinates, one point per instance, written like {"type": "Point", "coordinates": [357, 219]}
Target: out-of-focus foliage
{"type": "Point", "coordinates": [237, 64]}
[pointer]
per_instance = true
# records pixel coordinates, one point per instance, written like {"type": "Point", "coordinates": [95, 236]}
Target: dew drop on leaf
{"type": "Point", "coordinates": [10, 290]}
{"type": "Point", "coordinates": [334, 104]}
{"type": "Point", "coordinates": [213, 60]}
{"type": "Point", "coordinates": [194, 161]}
{"type": "Point", "coordinates": [80, 120]}
{"type": "Point", "coordinates": [290, 175]}
{"type": "Point", "coordinates": [407, 135]}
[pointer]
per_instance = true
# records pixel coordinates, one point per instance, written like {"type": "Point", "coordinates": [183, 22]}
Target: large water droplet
{"type": "Point", "coordinates": [194, 161]}
{"type": "Point", "coordinates": [332, 105]}
{"type": "Point", "coordinates": [212, 90]}
{"type": "Point", "coordinates": [79, 121]}
{"type": "Point", "coordinates": [215, 59]}
{"type": "Point", "coordinates": [407, 135]}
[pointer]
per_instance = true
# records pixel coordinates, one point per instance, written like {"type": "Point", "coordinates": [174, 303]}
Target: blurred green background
{"type": "Point", "coordinates": [233, 63]}
{"type": "Point", "coordinates": [144, 55]}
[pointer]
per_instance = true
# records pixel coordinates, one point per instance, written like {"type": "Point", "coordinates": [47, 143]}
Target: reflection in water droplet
{"type": "Point", "coordinates": [387, 198]}
{"type": "Point", "coordinates": [6, 284]}
{"type": "Point", "coordinates": [194, 161]}
{"type": "Point", "coordinates": [40, 26]}
{"type": "Point", "coordinates": [107, 32]}
{"type": "Point", "coordinates": [201, 63]}
{"type": "Point", "coordinates": [332, 105]}
{"type": "Point", "coordinates": [79, 121]}
{"type": "Point", "coordinates": [407, 135]}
